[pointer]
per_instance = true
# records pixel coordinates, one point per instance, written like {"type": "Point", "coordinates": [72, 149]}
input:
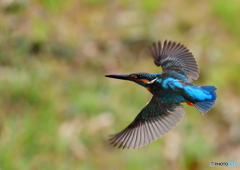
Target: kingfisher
{"type": "Point", "coordinates": [169, 89]}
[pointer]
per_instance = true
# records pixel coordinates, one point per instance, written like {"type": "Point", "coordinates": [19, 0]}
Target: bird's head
{"type": "Point", "coordinates": [143, 79]}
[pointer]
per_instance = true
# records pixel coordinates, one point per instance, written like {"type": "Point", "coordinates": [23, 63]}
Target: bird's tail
{"type": "Point", "coordinates": [205, 106]}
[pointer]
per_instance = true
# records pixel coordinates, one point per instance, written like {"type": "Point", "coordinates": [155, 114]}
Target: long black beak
{"type": "Point", "coordinates": [120, 76]}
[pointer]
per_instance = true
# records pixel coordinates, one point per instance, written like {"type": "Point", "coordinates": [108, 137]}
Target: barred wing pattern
{"type": "Point", "coordinates": [175, 56]}
{"type": "Point", "coordinates": [155, 120]}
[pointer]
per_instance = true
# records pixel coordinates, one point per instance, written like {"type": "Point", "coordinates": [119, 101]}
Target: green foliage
{"type": "Point", "coordinates": [228, 12]}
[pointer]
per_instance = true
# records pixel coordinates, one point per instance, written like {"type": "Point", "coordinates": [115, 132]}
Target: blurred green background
{"type": "Point", "coordinates": [57, 108]}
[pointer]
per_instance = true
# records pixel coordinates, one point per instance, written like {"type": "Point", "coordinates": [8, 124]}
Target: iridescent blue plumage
{"type": "Point", "coordinates": [169, 89]}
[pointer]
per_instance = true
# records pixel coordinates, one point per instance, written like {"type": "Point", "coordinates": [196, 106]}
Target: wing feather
{"type": "Point", "coordinates": [155, 120]}
{"type": "Point", "coordinates": [175, 56]}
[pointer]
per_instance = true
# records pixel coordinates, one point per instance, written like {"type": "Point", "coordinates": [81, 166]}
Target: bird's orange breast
{"type": "Point", "coordinates": [149, 89]}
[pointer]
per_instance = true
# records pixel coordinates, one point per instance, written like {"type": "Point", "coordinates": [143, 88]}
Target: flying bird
{"type": "Point", "coordinates": [170, 88]}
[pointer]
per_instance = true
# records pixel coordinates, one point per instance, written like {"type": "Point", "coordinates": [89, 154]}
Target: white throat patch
{"type": "Point", "coordinates": [151, 82]}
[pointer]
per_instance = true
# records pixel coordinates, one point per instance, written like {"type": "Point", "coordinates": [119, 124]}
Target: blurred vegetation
{"type": "Point", "coordinates": [57, 109]}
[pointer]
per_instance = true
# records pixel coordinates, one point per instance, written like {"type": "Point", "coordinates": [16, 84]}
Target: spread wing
{"type": "Point", "coordinates": [155, 120]}
{"type": "Point", "coordinates": [175, 56]}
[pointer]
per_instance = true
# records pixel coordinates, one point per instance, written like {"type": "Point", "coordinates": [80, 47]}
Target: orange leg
{"type": "Point", "coordinates": [189, 103]}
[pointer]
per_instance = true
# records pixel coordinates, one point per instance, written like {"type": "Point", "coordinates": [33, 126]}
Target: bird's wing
{"type": "Point", "coordinates": [175, 56]}
{"type": "Point", "coordinates": [155, 120]}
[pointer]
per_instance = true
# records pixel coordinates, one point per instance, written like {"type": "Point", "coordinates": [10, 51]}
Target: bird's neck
{"type": "Point", "coordinates": [156, 85]}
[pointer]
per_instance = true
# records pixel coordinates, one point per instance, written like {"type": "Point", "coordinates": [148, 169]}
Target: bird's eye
{"type": "Point", "coordinates": [136, 76]}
